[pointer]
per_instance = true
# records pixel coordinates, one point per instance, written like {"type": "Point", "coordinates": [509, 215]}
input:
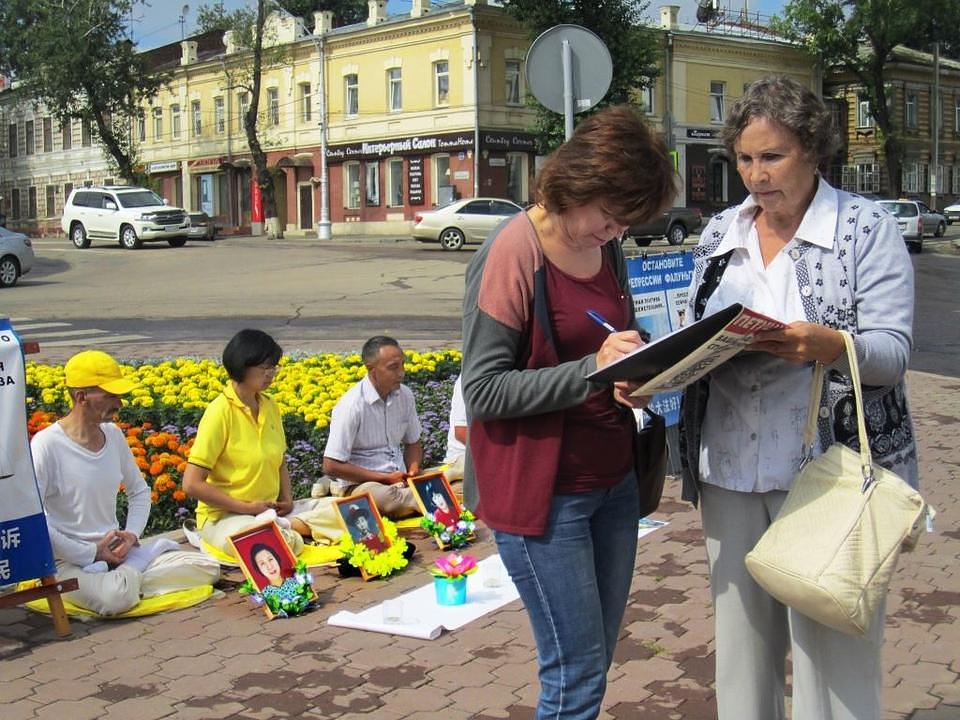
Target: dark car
{"type": "Point", "coordinates": [202, 227]}
{"type": "Point", "coordinates": [675, 225]}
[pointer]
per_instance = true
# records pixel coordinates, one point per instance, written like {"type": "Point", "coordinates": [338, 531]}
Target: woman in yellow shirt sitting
{"type": "Point", "coordinates": [237, 467]}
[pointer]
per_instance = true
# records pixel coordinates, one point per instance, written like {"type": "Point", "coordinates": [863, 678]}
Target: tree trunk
{"type": "Point", "coordinates": [125, 167]}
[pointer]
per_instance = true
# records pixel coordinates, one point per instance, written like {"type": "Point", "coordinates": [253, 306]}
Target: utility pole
{"type": "Point", "coordinates": [935, 126]}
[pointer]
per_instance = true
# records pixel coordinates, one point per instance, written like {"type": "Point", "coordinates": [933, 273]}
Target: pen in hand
{"type": "Point", "coordinates": [601, 321]}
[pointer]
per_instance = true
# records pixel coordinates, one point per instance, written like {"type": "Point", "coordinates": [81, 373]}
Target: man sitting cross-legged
{"type": "Point", "coordinates": [369, 425]}
{"type": "Point", "coordinates": [81, 462]}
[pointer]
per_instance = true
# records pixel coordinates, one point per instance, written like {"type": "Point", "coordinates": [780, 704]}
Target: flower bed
{"type": "Point", "coordinates": [160, 418]}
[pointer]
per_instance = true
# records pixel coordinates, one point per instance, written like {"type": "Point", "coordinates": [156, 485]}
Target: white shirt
{"type": "Point", "coordinates": [458, 417]}
{"type": "Point", "coordinates": [367, 431]}
{"type": "Point", "coordinates": [753, 428]}
{"type": "Point", "coordinates": [79, 490]}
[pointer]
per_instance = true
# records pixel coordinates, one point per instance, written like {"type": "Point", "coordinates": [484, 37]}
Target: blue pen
{"type": "Point", "coordinates": [601, 321]}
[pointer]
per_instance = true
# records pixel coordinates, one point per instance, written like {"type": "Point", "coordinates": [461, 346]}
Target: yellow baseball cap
{"type": "Point", "coordinates": [93, 368]}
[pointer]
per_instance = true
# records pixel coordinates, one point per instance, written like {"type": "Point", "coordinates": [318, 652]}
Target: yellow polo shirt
{"type": "Point", "coordinates": [243, 455]}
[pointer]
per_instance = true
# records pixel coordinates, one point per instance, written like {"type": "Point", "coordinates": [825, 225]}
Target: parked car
{"type": "Point", "coordinates": [675, 225]}
{"type": "Point", "coordinates": [462, 221]}
{"type": "Point", "coordinates": [915, 220]}
{"type": "Point", "coordinates": [202, 227]}
{"type": "Point", "coordinates": [952, 213]}
{"type": "Point", "coordinates": [124, 214]}
{"type": "Point", "coordinates": [16, 256]}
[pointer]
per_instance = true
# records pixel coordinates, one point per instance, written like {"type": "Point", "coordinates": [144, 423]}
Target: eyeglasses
{"type": "Point", "coordinates": [267, 368]}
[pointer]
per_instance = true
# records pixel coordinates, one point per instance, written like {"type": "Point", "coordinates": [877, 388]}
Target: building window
{"type": "Point", "coordinates": [441, 74]}
{"type": "Point", "coordinates": [864, 118]}
{"type": "Point", "coordinates": [910, 111]}
{"type": "Point", "coordinates": [86, 139]}
{"type": "Point", "coordinates": [142, 126]}
{"type": "Point", "coordinates": [395, 182]}
{"type": "Point", "coordinates": [351, 185]}
{"type": "Point", "coordinates": [243, 101]}
{"type": "Point", "coordinates": [373, 183]}
{"type": "Point", "coordinates": [868, 178]}
{"type": "Point", "coordinates": [12, 140]}
{"type": "Point", "coordinates": [66, 133]}
{"type": "Point", "coordinates": [716, 101]}
{"type": "Point", "coordinates": [48, 134]}
{"type": "Point", "coordinates": [15, 203]}
{"type": "Point", "coordinates": [32, 202]}
{"type": "Point", "coordinates": [909, 178]}
{"type": "Point", "coordinates": [175, 122]}
{"type": "Point", "coordinates": [273, 106]}
{"type": "Point", "coordinates": [51, 198]}
{"type": "Point", "coordinates": [351, 99]}
{"type": "Point", "coordinates": [157, 124]}
{"type": "Point", "coordinates": [219, 116]}
{"type": "Point", "coordinates": [956, 115]}
{"type": "Point", "coordinates": [646, 100]}
{"type": "Point", "coordinates": [394, 90]}
{"type": "Point", "coordinates": [306, 102]}
{"type": "Point", "coordinates": [196, 118]}
{"type": "Point", "coordinates": [442, 182]}
{"type": "Point", "coordinates": [513, 82]}
{"type": "Point", "coordinates": [67, 189]}
{"type": "Point", "coordinates": [31, 141]}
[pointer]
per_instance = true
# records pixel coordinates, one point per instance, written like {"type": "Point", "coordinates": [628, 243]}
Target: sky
{"type": "Point", "coordinates": [157, 22]}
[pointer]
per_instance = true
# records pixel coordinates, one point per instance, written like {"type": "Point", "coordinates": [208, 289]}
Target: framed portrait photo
{"type": "Point", "coordinates": [266, 559]}
{"type": "Point", "coordinates": [436, 499]}
{"type": "Point", "coordinates": [359, 516]}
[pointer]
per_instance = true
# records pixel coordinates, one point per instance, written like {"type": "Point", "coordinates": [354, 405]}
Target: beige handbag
{"type": "Point", "coordinates": [831, 550]}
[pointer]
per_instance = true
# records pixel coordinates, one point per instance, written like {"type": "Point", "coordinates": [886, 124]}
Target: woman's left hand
{"type": "Point", "coordinates": [622, 394]}
{"type": "Point", "coordinates": [284, 507]}
{"type": "Point", "coordinates": [801, 342]}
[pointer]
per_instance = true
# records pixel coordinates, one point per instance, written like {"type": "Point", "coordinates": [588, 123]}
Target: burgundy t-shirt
{"type": "Point", "coordinates": [597, 447]}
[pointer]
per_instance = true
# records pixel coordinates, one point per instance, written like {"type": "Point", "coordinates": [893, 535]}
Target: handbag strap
{"type": "Point", "coordinates": [809, 432]}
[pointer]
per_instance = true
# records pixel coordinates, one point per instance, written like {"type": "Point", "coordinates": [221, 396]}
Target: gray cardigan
{"type": "Point", "coordinates": [863, 284]}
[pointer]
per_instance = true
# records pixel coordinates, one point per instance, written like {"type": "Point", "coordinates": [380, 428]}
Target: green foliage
{"type": "Point", "coordinates": [75, 59]}
{"type": "Point", "coordinates": [859, 36]}
{"type": "Point", "coordinates": [619, 23]}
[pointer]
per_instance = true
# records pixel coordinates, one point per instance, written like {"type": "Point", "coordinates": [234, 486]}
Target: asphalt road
{"type": "Point", "coordinates": [314, 296]}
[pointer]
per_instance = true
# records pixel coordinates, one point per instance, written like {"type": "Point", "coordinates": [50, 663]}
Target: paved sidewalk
{"type": "Point", "coordinates": [222, 660]}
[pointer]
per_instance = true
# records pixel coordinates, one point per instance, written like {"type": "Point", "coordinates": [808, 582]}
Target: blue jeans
{"type": "Point", "coordinates": [574, 581]}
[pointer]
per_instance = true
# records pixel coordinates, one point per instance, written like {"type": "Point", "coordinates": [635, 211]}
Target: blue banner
{"type": "Point", "coordinates": [659, 285]}
{"type": "Point", "coordinates": [25, 552]}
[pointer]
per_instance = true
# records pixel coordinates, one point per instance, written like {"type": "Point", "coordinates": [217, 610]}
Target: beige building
{"type": "Point", "coordinates": [911, 89]}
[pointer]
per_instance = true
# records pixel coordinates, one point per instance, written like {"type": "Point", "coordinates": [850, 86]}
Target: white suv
{"type": "Point", "coordinates": [124, 214]}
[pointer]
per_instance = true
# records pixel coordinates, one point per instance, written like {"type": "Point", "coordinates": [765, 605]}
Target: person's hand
{"type": "Point", "coordinates": [255, 507]}
{"type": "Point", "coordinates": [413, 470]}
{"type": "Point", "coordinates": [283, 507]}
{"type": "Point", "coordinates": [801, 342]}
{"type": "Point", "coordinates": [398, 476]}
{"type": "Point", "coordinates": [616, 346]}
{"type": "Point", "coordinates": [112, 548]}
{"type": "Point", "coordinates": [622, 394]}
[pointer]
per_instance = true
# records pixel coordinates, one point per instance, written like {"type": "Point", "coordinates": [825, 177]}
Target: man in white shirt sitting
{"type": "Point", "coordinates": [374, 439]}
{"type": "Point", "coordinates": [81, 462]}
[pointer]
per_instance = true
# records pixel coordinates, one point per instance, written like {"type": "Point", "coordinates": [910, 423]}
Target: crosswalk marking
{"type": "Point", "coordinates": [92, 341]}
{"type": "Point", "coordinates": [60, 333]}
{"type": "Point", "coordinates": [23, 327]}
{"type": "Point", "coordinates": [64, 334]}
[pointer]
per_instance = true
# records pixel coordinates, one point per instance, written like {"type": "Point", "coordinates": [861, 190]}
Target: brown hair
{"type": "Point", "coordinates": [613, 157]}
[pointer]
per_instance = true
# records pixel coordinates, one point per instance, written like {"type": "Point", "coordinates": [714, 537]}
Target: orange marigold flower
{"type": "Point", "coordinates": [156, 468]}
{"type": "Point", "coordinates": [173, 445]}
{"type": "Point", "coordinates": [181, 467]}
{"type": "Point", "coordinates": [133, 432]}
{"type": "Point", "coordinates": [154, 497]}
{"type": "Point", "coordinates": [179, 495]}
{"type": "Point", "coordinates": [147, 425]}
{"type": "Point", "coordinates": [141, 463]}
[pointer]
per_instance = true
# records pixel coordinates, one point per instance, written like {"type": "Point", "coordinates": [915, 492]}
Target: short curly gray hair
{"type": "Point", "coordinates": [792, 106]}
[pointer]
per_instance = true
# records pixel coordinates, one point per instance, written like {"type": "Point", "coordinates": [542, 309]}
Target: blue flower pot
{"type": "Point", "coordinates": [450, 591]}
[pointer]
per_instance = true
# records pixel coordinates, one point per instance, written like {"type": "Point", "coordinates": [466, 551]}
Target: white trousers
{"type": "Point", "coordinates": [116, 591]}
{"type": "Point", "coordinates": [835, 676]}
{"type": "Point", "coordinates": [319, 514]}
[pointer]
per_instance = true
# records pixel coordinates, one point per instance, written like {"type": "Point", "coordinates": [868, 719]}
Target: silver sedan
{"type": "Point", "coordinates": [16, 256]}
{"type": "Point", "coordinates": [462, 221]}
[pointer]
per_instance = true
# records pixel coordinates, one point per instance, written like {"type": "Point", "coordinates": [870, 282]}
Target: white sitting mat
{"type": "Point", "coordinates": [422, 617]}
{"type": "Point", "coordinates": [649, 525]}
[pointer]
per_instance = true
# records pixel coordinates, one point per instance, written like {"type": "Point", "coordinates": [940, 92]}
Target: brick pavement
{"type": "Point", "coordinates": [222, 660]}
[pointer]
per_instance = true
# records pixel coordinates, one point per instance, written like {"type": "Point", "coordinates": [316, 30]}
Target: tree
{"type": "Point", "coordinates": [75, 59]}
{"type": "Point", "coordinates": [245, 73]}
{"type": "Point", "coordinates": [634, 47]}
{"type": "Point", "coordinates": [859, 36]}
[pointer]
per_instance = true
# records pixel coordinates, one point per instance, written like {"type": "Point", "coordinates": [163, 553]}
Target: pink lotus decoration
{"type": "Point", "coordinates": [454, 566]}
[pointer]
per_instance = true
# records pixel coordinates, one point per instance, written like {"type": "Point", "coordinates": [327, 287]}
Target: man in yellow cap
{"type": "Point", "coordinates": [81, 462]}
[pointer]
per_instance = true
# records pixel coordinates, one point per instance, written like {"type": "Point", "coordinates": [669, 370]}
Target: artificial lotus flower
{"type": "Point", "coordinates": [454, 566]}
